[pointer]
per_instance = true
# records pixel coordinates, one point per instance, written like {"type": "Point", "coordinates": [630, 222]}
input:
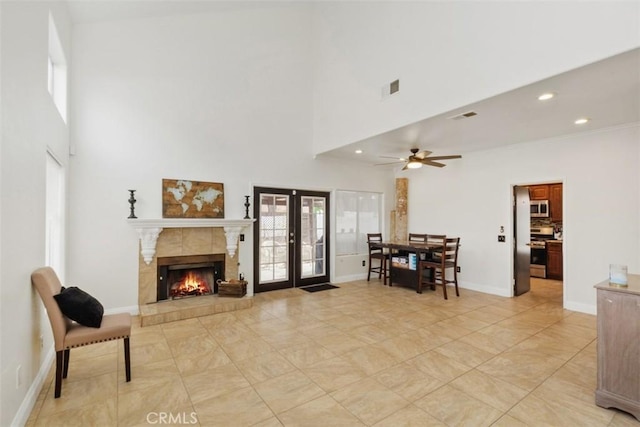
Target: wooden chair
{"type": "Point", "coordinates": [441, 260]}
{"type": "Point", "coordinates": [433, 239]}
{"type": "Point", "coordinates": [417, 238]}
{"type": "Point", "coordinates": [68, 334]}
{"type": "Point", "coordinates": [377, 253]}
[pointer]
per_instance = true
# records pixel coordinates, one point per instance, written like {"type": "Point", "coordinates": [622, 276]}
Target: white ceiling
{"type": "Point", "coordinates": [85, 11]}
{"type": "Point", "coordinates": [607, 92]}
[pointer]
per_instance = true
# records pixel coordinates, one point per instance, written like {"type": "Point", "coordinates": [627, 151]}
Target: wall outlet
{"type": "Point", "coordinates": [458, 269]}
{"type": "Point", "coordinates": [501, 238]}
{"type": "Point", "coordinates": [364, 263]}
{"type": "Point", "coordinates": [18, 377]}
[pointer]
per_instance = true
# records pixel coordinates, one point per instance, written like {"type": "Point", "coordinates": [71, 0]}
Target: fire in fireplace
{"type": "Point", "coordinates": [187, 276]}
{"type": "Point", "coordinates": [191, 284]}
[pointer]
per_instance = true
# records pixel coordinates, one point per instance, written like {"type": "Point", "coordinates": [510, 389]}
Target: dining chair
{"type": "Point", "coordinates": [435, 240]}
{"type": "Point", "coordinates": [433, 270]}
{"type": "Point", "coordinates": [68, 334]}
{"type": "Point", "coordinates": [377, 253]}
{"type": "Point", "coordinates": [417, 238]}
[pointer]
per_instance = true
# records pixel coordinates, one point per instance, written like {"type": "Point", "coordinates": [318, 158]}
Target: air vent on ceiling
{"type": "Point", "coordinates": [463, 115]}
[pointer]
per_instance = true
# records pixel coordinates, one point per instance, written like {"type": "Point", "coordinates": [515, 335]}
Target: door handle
{"type": "Point", "coordinates": [527, 244]}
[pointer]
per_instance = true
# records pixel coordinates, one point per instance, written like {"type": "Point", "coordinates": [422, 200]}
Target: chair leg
{"type": "Point", "coordinates": [384, 272]}
{"type": "Point", "coordinates": [65, 370]}
{"type": "Point", "coordinates": [455, 280]}
{"type": "Point", "coordinates": [388, 266]}
{"type": "Point", "coordinates": [444, 285]}
{"type": "Point", "coordinates": [127, 359]}
{"type": "Point", "coordinates": [59, 368]}
{"type": "Point", "coordinates": [369, 270]}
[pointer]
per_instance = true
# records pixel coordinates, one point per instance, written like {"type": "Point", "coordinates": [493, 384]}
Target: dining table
{"type": "Point", "coordinates": [405, 257]}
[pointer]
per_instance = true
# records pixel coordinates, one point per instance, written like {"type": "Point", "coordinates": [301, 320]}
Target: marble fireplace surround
{"type": "Point", "coordinates": [180, 237]}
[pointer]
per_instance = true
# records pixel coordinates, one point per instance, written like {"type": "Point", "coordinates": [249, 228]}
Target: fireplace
{"type": "Point", "coordinates": [189, 276]}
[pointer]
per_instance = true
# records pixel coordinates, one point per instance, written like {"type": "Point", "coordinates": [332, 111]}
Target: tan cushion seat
{"type": "Point", "coordinates": [114, 326]}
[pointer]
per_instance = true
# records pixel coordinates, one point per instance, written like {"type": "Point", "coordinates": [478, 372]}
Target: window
{"type": "Point", "coordinates": [54, 252]}
{"type": "Point", "coordinates": [57, 71]}
{"type": "Point", "coordinates": [357, 213]}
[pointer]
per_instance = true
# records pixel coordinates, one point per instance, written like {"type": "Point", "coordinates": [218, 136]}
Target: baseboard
{"type": "Point", "coordinates": [350, 278]}
{"type": "Point", "coordinates": [134, 310]}
{"type": "Point", "coordinates": [484, 289]}
{"type": "Point", "coordinates": [34, 391]}
{"type": "Point", "coordinates": [582, 308]}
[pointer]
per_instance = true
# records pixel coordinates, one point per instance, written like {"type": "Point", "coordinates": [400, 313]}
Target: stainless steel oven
{"type": "Point", "coordinates": [538, 263]}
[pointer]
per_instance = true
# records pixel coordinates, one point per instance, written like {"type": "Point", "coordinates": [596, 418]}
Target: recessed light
{"type": "Point", "coordinates": [582, 121]}
{"type": "Point", "coordinates": [546, 96]}
{"type": "Point", "coordinates": [358, 151]}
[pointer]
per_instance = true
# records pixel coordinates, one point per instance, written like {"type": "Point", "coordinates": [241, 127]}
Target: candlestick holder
{"type": "Point", "coordinates": [132, 201]}
{"type": "Point", "coordinates": [246, 207]}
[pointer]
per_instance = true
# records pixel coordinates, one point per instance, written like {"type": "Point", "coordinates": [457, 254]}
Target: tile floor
{"type": "Point", "coordinates": [363, 354]}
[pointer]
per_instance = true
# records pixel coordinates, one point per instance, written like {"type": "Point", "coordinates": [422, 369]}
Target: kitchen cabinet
{"type": "Point", "coordinates": [619, 346]}
{"type": "Point", "coordinates": [554, 260]}
{"type": "Point", "coordinates": [539, 192]}
{"type": "Point", "coordinates": [555, 202]}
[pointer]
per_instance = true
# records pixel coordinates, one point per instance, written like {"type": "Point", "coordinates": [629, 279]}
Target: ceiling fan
{"type": "Point", "coordinates": [419, 158]}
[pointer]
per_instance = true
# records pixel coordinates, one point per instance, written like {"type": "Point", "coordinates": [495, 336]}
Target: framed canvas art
{"type": "Point", "coordinates": [192, 199]}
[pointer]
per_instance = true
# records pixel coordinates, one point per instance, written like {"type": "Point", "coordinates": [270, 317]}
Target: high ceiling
{"type": "Point", "coordinates": [85, 11]}
{"type": "Point", "coordinates": [607, 92]}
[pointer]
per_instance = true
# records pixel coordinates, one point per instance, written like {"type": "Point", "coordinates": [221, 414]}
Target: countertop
{"type": "Point", "coordinates": [633, 286]}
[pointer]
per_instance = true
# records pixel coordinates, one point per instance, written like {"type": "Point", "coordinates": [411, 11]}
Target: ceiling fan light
{"type": "Point", "coordinates": [546, 96]}
{"type": "Point", "coordinates": [414, 165]}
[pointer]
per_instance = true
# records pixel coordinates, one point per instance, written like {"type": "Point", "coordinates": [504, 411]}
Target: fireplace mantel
{"type": "Point", "coordinates": [149, 230]}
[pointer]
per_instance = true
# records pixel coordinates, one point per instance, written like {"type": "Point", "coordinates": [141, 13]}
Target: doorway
{"type": "Point", "coordinates": [541, 227]}
{"type": "Point", "coordinates": [291, 238]}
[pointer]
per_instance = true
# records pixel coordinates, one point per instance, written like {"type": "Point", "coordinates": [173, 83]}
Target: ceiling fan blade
{"type": "Point", "coordinates": [444, 157]}
{"type": "Point", "coordinates": [390, 163]}
{"type": "Point", "coordinates": [405, 167]}
{"type": "Point", "coordinates": [402, 159]}
{"type": "Point", "coordinates": [422, 154]}
{"type": "Point", "coordinates": [428, 162]}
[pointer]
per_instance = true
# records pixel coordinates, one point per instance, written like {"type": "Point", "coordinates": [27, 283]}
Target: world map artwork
{"type": "Point", "coordinates": [192, 199]}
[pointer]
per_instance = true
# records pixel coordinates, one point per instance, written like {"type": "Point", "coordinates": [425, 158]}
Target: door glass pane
{"type": "Point", "coordinates": [312, 239]}
{"type": "Point", "coordinates": [274, 237]}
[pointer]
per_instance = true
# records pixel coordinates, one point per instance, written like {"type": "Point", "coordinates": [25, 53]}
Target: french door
{"type": "Point", "coordinates": [291, 238]}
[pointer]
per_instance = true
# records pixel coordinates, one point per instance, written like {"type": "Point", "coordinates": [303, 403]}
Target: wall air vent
{"type": "Point", "coordinates": [390, 89]}
{"type": "Point", "coordinates": [463, 115]}
{"type": "Point", "coordinates": [394, 87]}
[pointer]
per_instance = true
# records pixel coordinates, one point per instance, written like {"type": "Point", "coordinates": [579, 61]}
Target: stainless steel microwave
{"type": "Point", "coordinates": [539, 208]}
